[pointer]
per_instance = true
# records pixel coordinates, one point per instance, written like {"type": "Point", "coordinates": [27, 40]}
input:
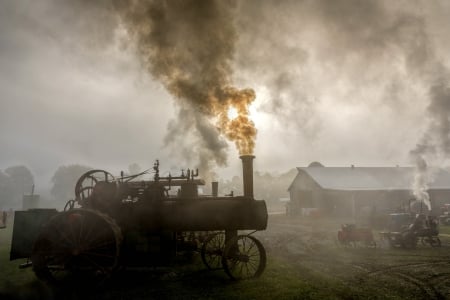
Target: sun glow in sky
{"type": "Point", "coordinates": [232, 113]}
{"type": "Point", "coordinates": [333, 91]}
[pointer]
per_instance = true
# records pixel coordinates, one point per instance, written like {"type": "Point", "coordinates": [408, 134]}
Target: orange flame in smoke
{"type": "Point", "coordinates": [188, 47]}
{"type": "Point", "coordinates": [241, 129]}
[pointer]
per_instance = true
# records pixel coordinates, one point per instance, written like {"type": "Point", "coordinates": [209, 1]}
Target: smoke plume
{"type": "Point", "coordinates": [345, 81]}
{"type": "Point", "coordinates": [421, 180]}
{"type": "Point", "coordinates": [434, 146]}
{"type": "Point", "coordinates": [188, 46]}
{"type": "Point", "coordinates": [363, 53]}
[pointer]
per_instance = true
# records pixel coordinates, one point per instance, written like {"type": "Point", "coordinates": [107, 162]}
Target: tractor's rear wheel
{"type": "Point", "coordinates": [78, 244]}
{"type": "Point", "coordinates": [244, 257]}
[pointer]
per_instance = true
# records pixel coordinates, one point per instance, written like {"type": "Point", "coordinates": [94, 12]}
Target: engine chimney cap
{"type": "Point", "coordinates": [246, 155]}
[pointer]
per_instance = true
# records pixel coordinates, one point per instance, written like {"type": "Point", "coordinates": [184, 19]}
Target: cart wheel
{"type": "Point", "coordinates": [341, 238]}
{"type": "Point", "coordinates": [344, 240]}
{"type": "Point", "coordinates": [436, 242]}
{"type": "Point", "coordinates": [424, 241]}
{"type": "Point", "coordinates": [78, 244]}
{"type": "Point", "coordinates": [408, 240]}
{"type": "Point", "coordinates": [371, 244]}
{"type": "Point", "coordinates": [212, 250]}
{"type": "Point", "coordinates": [433, 241]}
{"type": "Point", "coordinates": [244, 257]}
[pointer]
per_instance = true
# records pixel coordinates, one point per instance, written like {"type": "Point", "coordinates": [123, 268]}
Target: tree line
{"type": "Point", "coordinates": [266, 186]}
{"type": "Point", "coordinates": [16, 181]}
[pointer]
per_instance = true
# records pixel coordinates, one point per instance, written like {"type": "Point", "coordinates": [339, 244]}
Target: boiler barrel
{"type": "Point", "coordinates": [217, 214]}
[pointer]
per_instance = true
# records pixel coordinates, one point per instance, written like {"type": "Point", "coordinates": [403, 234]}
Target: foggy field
{"type": "Point", "coordinates": [304, 262]}
{"type": "Point", "coordinates": [358, 91]}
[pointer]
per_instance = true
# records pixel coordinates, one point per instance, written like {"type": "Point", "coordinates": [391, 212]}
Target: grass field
{"type": "Point", "coordinates": [186, 281]}
{"type": "Point", "coordinates": [304, 262]}
{"type": "Point", "coordinates": [444, 229]}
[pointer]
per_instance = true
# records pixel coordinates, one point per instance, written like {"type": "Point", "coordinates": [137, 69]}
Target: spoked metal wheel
{"type": "Point", "coordinates": [77, 244]}
{"type": "Point", "coordinates": [69, 205]}
{"type": "Point", "coordinates": [433, 241]}
{"type": "Point", "coordinates": [343, 240]}
{"type": "Point", "coordinates": [244, 257]}
{"type": "Point", "coordinates": [370, 244]}
{"type": "Point", "coordinates": [212, 250]}
{"type": "Point", "coordinates": [408, 241]}
{"type": "Point", "coordinates": [86, 183]}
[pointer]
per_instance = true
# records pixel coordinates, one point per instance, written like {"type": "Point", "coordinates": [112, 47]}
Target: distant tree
{"type": "Point", "coordinates": [134, 169]}
{"type": "Point", "coordinates": [6, 191]}
{"type": "Point", "coordinates": [273, 187]}
{"type": "Point", "coordinates": [14, 182]}
{"type": "Point", "coordinates": [21, 179]}
{"type": "Point", "coordinates": [234, 185]}
{"type": "Point", "coordinates": [64, 181]}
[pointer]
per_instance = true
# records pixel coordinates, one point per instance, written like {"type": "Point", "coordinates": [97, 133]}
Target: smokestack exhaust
{"type": "Point", "coordinates": [247, 174]}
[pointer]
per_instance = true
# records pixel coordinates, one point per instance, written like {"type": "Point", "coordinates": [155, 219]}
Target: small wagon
{"type": "Point", "coordinates": [350, 235]}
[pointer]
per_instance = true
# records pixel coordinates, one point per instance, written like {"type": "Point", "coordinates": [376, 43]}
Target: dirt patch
{"type": "Point", "coordinates": [419, 273]}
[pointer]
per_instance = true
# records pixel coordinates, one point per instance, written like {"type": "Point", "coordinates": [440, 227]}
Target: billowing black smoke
{"type": "Point", "coordinates": [188, 46]}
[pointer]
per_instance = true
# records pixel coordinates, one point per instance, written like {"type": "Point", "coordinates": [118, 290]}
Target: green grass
{"type": "Point", "coordinates": [191, 282]}
{"type": "Point", "coordinates": [9, 269]}
{"type": "Point", "coordinates": [13, 280]}
{"type": "Point", "coordinates": [279, 281]}
{"type": "Point", "coordinates": [445, 229]}
{"type": "Point", "coordinates": [287, 276]}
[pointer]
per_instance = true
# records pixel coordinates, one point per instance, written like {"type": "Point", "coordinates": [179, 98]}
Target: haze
{"type": "Point", "coordinates": [340, 82]}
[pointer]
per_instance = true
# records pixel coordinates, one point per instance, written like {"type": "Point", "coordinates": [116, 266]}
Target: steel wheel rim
{"type": "Point", "coordinates": [212, 250]}
{"type": "Point", "coordinates": [77, 244]}
{"type": "Point", "coordinates": [86, 183]}
{"type": "Point", "coordinates": [244, 257]}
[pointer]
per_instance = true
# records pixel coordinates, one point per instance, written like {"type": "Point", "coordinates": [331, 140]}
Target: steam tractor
{"type": "Point", "coordinates": [404, 230]}
{"type": "Point", "coordinates": [127, 222]}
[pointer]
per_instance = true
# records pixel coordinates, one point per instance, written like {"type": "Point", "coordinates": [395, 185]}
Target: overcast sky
{"type": "Point", "coordinates": [340, 82]}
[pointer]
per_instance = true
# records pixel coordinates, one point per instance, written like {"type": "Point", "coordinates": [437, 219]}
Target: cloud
{"type": "Point", "coordinates": [341, 82]}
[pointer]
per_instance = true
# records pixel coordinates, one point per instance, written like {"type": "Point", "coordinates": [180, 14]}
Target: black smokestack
{"type": "Point", "coordinates": [215, 188]}
{"type": "Point", "coordinates": [247, 174]}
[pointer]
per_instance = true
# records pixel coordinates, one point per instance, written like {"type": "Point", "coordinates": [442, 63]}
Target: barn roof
{"type": "Point", "coordinates": [372, 178]}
